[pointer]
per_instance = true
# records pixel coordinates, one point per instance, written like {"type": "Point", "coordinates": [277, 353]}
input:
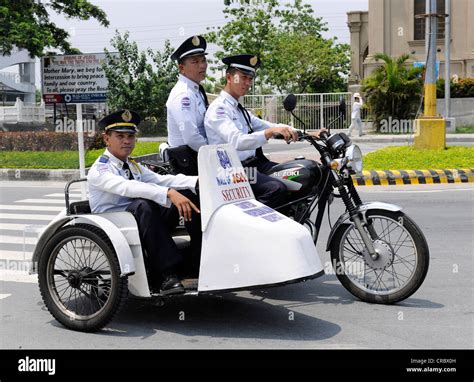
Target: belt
{"type": "Point", "coordinates": [249, 161]}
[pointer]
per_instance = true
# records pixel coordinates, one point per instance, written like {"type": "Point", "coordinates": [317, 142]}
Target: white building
{"type": "Point", "coordinates": [17, 77]}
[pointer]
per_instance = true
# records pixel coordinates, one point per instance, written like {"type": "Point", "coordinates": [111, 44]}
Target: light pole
{"type": "Point", "coordinates": [430, 129]}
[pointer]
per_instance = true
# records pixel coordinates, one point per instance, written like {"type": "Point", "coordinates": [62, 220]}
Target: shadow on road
{"type": "Point", "coordinates": [230, 315]}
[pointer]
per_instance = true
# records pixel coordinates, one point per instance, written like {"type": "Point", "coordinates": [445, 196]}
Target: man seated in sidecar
{"type": "Point", "coordinates": [118, 183]}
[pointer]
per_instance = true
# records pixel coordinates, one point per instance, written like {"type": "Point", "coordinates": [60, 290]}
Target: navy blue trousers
{"type": "Point", "coordinates": [155, 225]}
{"type": "Point", "coordinates": [267, 189]}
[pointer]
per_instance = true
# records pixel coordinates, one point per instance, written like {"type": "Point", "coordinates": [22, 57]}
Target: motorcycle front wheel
{"type": "Point", "coordinates": [397, 270]}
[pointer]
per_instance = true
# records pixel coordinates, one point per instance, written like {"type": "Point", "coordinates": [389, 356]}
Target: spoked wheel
{"type": "Point", "coordinates": [399, 266]}
{"type": "Point", "coordinates": [79, 278]}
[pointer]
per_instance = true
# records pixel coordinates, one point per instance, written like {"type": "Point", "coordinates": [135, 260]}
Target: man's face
{"type": "Point", "coordinates": [194, 68]}
{"type": "Point", "coordinates": [239, 82]}
{"type": "Point", "coordinates": [120, 144]}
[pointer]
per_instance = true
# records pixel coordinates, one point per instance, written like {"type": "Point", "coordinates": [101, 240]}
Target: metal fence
{"type": "Point", "coordinates": [315, 110]}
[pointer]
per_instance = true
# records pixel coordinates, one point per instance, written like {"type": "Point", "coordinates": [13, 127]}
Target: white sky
{"type": "Point", "coordinates": [151, 22]}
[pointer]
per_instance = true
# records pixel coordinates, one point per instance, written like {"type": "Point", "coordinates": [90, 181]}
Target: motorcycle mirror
{"type": "Point", "coordinates": [289, 103]}
{"type": "Point", "coordinates": [342, 106]}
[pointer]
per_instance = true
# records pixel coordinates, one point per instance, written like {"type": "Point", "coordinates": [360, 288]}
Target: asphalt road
{"type": "Point", "coordinates": [319, 314]}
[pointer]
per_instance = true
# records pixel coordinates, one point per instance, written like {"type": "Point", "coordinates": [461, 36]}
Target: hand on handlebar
{"type": "Point", "coordinates": [287, 132]}
{"type": "Point", "coordinates": [318, 135]}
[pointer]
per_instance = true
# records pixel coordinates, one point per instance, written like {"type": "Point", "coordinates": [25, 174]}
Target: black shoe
{"type": "Point", "coordinates": [171, 285]}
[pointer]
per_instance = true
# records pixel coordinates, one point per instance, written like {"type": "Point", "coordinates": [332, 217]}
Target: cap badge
{"type": "Point", "coordinates": [127, 116]}
{"type": "Point", "coordinates": [253, 61]}
{"type": "Point", "coordinates": [195, 41]}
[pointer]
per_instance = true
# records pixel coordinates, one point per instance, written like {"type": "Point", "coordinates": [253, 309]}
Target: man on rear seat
{"type": "Point", "coordinates": [117, 183]}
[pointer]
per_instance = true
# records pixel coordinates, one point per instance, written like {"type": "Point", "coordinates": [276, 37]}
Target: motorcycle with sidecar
{"type": "Point", "coordinates": [88, 264]}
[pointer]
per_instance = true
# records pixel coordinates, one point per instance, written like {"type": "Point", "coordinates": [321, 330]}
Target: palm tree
{"type": "Point", "coordinates": [393, 89]}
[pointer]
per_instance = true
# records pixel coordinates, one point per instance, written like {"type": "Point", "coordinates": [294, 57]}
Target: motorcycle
{"type": "Point", "coordinates": [378, 253]}
{"type": "Point", "coordinates": [89, 263]}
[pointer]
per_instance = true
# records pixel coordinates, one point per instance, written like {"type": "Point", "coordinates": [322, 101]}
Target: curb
{"type": "Point", "coordinates": [367, 178]}
{"type": "Point", "coordinates": [454, 138]}
{"type": "Point", "coordinates": [402, 177]}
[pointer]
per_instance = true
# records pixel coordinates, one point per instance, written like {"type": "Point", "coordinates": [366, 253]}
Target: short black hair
{"type": "Point", "coordinates": [231, 70]}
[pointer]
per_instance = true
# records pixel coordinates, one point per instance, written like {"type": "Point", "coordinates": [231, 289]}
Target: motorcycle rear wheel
{"type": "Point", "coordinates": [401, 265]}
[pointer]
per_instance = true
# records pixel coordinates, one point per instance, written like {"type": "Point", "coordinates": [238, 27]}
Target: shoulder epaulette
{"type": "Point", "coordinates": [136, 165]}
{"type": "Point", "coordinates": [103, 159]}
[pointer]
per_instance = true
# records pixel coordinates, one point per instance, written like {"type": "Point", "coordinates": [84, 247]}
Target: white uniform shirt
{"type": "Point", "coordinates": [356, 109]}
{"type": "Point", "coordinates": [111, 190]}
{"type": "Point", "coordinates": [185, 115]}
{"type": "Point", "coordinates": [225, 123]}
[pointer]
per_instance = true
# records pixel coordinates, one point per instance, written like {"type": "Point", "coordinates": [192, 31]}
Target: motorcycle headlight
{"type": "Point", "coordinates": [354, 155]}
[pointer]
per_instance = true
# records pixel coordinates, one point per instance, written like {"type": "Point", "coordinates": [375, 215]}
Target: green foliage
{"type": "Point", "coordinates": [463, 88]}
{"type": "Point", "coordinates": [62, 159]}
{"type": "Point", "coordinates": [288, 39]}
{"type": "Point", "coordinates": [469, 129]}
{"type": "Point", "coordinates": [408, 158]}
{"type": "Point", "coordinates": [139, 80]}
{"type": "Point", "coordinates": [393, 89]}
{"type": "Point", "coordinates": [47, 141]}
{"type": "Point", "coordinates": [26, 24]}
{"type": "Point", "coordinates": [295, 67]}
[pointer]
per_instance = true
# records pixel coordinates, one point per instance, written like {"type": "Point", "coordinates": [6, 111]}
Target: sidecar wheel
{"type": "Point", "coordinates": [399, 269]}
{"type": "Point", "coordinates": [79, 278]}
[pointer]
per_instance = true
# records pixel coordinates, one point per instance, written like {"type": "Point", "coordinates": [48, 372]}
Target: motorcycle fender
{"type": "Point", "coordinates": [118, 240]}
{"type": "Point", "coordinates": [345, 218]}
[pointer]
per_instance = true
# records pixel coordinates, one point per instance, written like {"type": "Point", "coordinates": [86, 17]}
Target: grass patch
{"type": "Point", "coordinates": [407, 158]}
{"type": "Point", "coordinates": [469, 129]}
{"type": "Point", "coordinates": [62, 159]}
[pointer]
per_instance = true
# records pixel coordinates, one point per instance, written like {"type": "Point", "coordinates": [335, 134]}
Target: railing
{"type": "Point", "coordinates": [315, 110]}
{"type": "Point", "coordinates": [22, 112]}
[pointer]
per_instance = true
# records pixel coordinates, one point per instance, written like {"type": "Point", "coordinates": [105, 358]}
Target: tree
{"type": "Point", "coordinates": [139, 80]}
{"type": "Point", "coordinates": [280, 36]}
{"type": "Point", "coordinates": [393, 89]}
{"type": "Point", "coordinates": [294, 67]}
{"type": "Point", "coordinates": [25, 24]}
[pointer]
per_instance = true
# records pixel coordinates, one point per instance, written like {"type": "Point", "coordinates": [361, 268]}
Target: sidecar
{"type": "Point", "coordinates": [88, 263]}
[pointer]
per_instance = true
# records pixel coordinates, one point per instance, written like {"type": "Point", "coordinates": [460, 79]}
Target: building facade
{"type": "Point", "coordinates": [17, 77]}
{"type": "Point", "coordinates": [391, 27]}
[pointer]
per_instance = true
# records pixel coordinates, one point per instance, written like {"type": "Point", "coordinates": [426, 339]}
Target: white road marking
{"type": "Point", "coordinates": [41, 201]}
{"type": "Point", "coordinates": [18, 227]}
{"type": "Point", "coordinates": [15, 255]}
{"type": "Point", "coordinates": [4, 239]}
{"type": "Point", "coordinates": [30, 208]}
{"type": "Point", "coordinates": [17, 276]}
{"type": "Point", "coordinates": [71, 196]}
{"type": "Point", "coordinates": [2, 296]}
{"type": "Point", "coordinates": [47, 218]}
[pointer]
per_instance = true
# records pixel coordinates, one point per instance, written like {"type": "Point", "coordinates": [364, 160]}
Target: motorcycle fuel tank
{"type": "Point", "coordinates": [299, 175]}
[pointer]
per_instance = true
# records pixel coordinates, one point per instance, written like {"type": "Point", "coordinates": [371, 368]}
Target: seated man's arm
{"type": "Point", "coordinates": [221, 123]}
{"type": "Point", "coordinates": [178, 182]}
{"type": "Point", "coordinates": [271, 129]}
{"type": "Point", "coordinates": [102, 178]}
